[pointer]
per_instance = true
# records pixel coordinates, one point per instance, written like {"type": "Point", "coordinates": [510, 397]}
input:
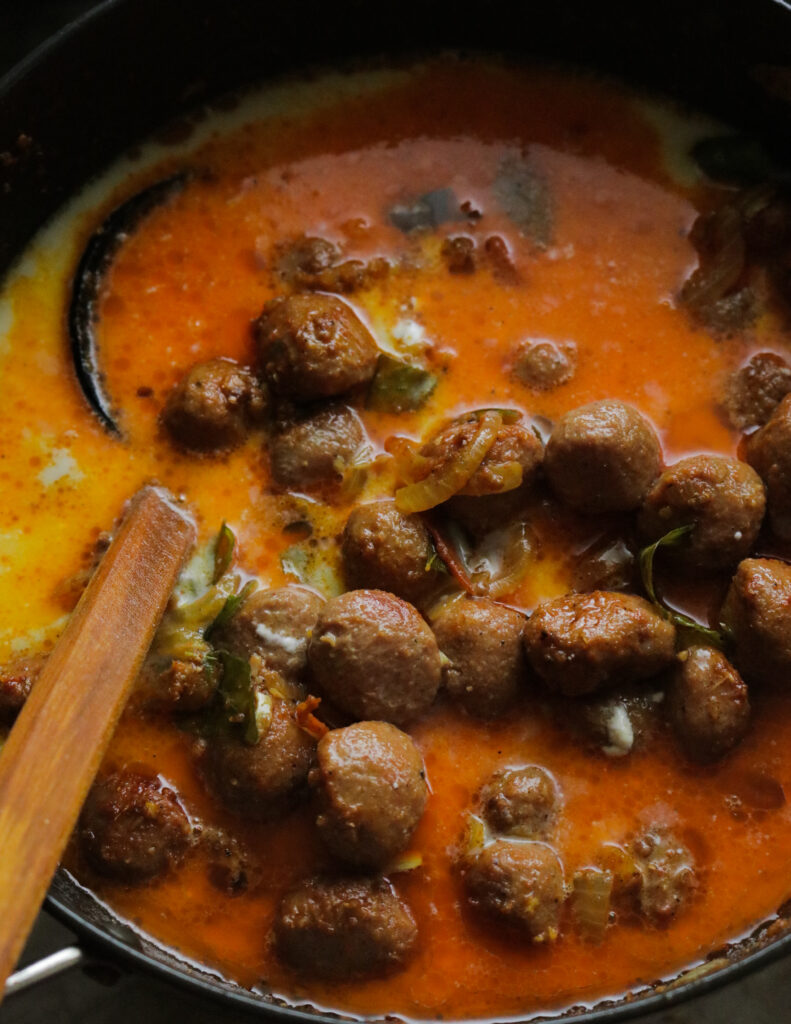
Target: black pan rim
{"type": "Point", "coordinates": [609, 1009]}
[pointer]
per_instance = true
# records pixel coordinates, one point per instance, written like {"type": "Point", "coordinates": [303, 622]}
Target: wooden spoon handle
{"type": "Point", "coordinates": [56, 744]}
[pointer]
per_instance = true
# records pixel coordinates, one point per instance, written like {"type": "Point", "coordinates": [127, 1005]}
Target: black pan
{"type": "Point", "coordinates": [117, 74]}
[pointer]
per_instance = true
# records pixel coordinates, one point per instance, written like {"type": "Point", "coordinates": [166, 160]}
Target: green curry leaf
{"type": "Point", "coordinates": [683, 622]}
{"type": "Point", "coordinates": [399, 386]}
{"type": "Point", "coordinates": [232, 605]}
{"type": "Point", "coordinates": [236, 695]}
{"type": "Point", "coordinates": [223, 551]}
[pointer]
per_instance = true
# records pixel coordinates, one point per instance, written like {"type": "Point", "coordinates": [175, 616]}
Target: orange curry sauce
{"type": "Point", "coordinates": [186, 286]}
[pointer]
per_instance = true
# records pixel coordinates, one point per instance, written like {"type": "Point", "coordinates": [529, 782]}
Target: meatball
{"type": "Point", "coordinates": [667, 874]}
{"type": "Point", "coordinates": [375, 657]}
{"type": "Point", "coordinates": [315, 263]}
{"type": "Point", "coordinates": [132, 827]}
{"type": "Point", "coordinates": [708, 704]}
{"type": "Point", "coordinates": [275, 625]}
{"type": "Point", "coordinates": [757, 611]}
{"type": "Point", "coordinates": [316, 450]}
{"type": "Point", "coordinates": [721, 498]}
{"type": "Point", "coordinates": [520, 883]}
{"type": "Point", "coordinates": [753, 393]}
{"type": "Point", "coordinates": [521, 802]}
{"type": "Point", "coordinates": [230, 867]}
{"type": "Point", "coordinates": [344, 928]}
{"type": "Point", "coordinates": [213, 406]}
{"type": "Point", "coordinates": [769, 453]}
{"type": "Point", "coordinates": [483, 642]}
{"type": "Point", "coordinates": [372, 791]}
{"type": "Point", "coordinates": [603, 457]}
{"type": "Point", "coordinates": [264, 780]}
{"type": "Point", "coordinates": [177, 685]}
{"type": "Point", "coordinates": [545, 365]}
{"type": "Point", "coordinates": [313, 346]}
{"type": "Point", "coordinates": [581, 643]}
{"type": "Point", "coordinates": [16, 682]}
{"type": "Point", "coordinates": [515, 445]}
{"type": "Point", "coordinates": [384, 549]}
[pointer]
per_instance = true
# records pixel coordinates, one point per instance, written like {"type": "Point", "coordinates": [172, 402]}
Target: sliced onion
{"type": "Point", "coordinates": [406, 453]}
{"type": "Point", "coordinates": [515, 546]}
{"type": "Point", "coordinates": [506, 476]}
{"type": "Point", "coordinates": [404, 862]}
{"type": "Point", "coordinates": [591, 902]}
{"type": "Point", "coordinates": [451, 477]}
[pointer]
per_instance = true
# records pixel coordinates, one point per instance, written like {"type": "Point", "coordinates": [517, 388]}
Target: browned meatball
{"type": "Point", "coordinates": [213, 406]}
{"type": "Point", "coordinates": [372, 791]}
{"type": "Point", "coordinates": [520, 883]}
{"type": "Point", "coordinates": [757, 611]}
{"type": "Point", "coordinates": [668, 877]}
{"type": "Point", "coordinates": [132, 827]}
{"type": "Point", "coordinates": [375, 657]}
{"type": "Point", "coordinates": [514, 446]}
{"type": "Point", "coordinates": [769, 453]}
{"type": "Point", "coordinates": [521, 802]}
{"type": "Point", "coordinates": [275, 625]}
{"type": "Point", "coordinates": [384, 549]}
{"type": "Point", "coordinates": [316, 263]}
{"type": "Point", "coordinates": [722, 498]}
{"type": "Point", "coordinates": [753, 392]}
{"type": "Point", "coordinates": [708, 704]}
{"type": "Point", "coordinates": [316, 450]}
{"type": "Point", "coordinates": [545, 365]}
{"type": "Point", "coordinates": [483, 642]}
{"type": "Point", "coordinates": [344, 928]}
{"type": "Point", "coordinates": [16, 682]}
{"type": "Point", "coordinates": [603, 457]}
{"type": "Point", "coordinates": [313, 346]}
{"type": "Point", "coordinates": [178, 685]}
{"type": "Point", "coordinates": [263, 780]}
{"type": "Point", "coordinates": [586, 642]}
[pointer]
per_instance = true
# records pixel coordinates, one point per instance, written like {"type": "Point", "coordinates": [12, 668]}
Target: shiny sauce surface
{"type": "Point", "coordinates": [186, 285]}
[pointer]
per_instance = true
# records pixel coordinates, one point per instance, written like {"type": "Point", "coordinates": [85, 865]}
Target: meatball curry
{"type": "Point", "coordinates": [474, 697]}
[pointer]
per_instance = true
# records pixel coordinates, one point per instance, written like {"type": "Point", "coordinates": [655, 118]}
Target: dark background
{"type": "Point", "coordinates": [102, 996]}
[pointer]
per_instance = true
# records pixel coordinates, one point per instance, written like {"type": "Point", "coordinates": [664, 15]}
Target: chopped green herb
{"type": "Point", "coordinates": [232, 605]}
{"type": "Point", "coordinates": [682, 622]}
{"type": "Point", "coordinates": [223, 551]}
{"type": "Point", "coordinates": [398, 386]}
{"type": "Point", "coordinates": [435, 561]}
{"type": "Point", "coordinates": [237, 703]}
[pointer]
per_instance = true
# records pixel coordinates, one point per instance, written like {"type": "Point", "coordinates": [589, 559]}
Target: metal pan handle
{"type": "Point", "coordinates": [47, 967]}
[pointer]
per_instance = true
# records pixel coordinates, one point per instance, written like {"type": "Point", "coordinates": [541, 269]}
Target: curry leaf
{"type": "Point", "coordinates": [435, 561]}
{"type": "Point", "coordinates": [683, 622]}
{"type": "Point", "coordinates": [398, 386]}
{"type": "Point", "coordinates": [223, 551]}
{"type": "Point", "coordinates": [236, 695]}
{"type": "Point", "coordinates": [232, 605]}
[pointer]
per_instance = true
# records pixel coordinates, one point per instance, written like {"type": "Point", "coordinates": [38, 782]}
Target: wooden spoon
{"type": "Point", "coordinates": [56, 744]}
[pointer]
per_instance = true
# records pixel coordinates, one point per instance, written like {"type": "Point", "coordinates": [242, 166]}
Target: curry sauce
{"type": "Point", "coordinates": [600, 269]}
